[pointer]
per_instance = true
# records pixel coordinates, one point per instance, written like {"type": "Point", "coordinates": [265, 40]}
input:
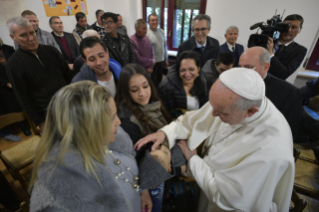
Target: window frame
{"type": "Point", "coordinates": [170, 16]}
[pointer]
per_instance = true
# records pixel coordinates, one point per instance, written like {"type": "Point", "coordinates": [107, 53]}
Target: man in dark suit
{"type": "Point", "coordinates": [230, 45]}
{"type": "Point", "coordinates": [66, 41]}
{"type": "Point", "coordinates": [206, 46]}
{"type": "Point", "coordinates": [285, 96]}
{"type": "Point", "coordinates": [286, 55]}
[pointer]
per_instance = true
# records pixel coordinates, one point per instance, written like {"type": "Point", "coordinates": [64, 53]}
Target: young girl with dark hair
{"type": "Point", "coordinates": [141, 113]}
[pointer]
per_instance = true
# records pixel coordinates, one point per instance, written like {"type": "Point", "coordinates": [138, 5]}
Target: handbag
{"type": "Point", "coordinates": [179, 196]}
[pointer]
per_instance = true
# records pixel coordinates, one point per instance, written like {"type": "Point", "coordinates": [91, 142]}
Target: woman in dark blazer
{"type": "Point", "coordinates": [185, 87]}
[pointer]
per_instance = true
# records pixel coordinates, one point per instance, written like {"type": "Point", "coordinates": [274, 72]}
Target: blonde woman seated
{"type": "Point", "coordinates": [74, 170]}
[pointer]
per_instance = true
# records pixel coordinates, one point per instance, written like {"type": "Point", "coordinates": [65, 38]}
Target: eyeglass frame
{"type": "Point", "coordinates": [202, 29]}
{"type": "Point", "coordinates": [107, 23]}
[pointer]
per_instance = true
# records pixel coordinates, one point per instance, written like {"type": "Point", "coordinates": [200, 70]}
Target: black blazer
{"type": "Point", "coordinates": [238, 48]}
{"type": "Point", "coordinates": [287, 99]}
{"type": "Point", "coordinates": [210, 51]}
{"type": "Point", "coordinates": [73, 46]}
{"type": "Point", "coordinates": [286, 61]}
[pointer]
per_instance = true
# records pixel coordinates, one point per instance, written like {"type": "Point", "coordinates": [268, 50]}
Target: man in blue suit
{"type": "Point", "coordinates": [230, 45]}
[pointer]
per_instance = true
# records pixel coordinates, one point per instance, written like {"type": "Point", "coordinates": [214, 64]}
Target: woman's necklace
{"type": "Point", "coordinates": [122, 172]}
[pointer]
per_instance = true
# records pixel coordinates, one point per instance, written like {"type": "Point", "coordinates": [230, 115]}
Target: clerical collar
{"type": "Point", "coordinates": [199, 45]}
{"type": "Point", "coordinates": [257, 114]}
{"type": "Point", "coordinates": [59, 35]}
{"type": "Point", "coordinates": [230, 47]}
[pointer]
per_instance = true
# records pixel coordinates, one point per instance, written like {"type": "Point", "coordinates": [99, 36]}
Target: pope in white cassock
{"type": "Point", "coordinates": [247, 162]}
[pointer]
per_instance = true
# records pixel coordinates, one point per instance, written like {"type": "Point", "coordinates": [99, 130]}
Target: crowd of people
{"type": "Point", "coordinates": [115, 128]}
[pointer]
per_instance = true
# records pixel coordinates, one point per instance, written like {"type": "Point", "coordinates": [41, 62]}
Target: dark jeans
{"type": "Point", "coordinates": [157, 197]}
{"type": "Point", "coordinates": [157, 74]}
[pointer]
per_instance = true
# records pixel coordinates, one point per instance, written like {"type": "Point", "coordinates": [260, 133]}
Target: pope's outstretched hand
{"type": "Point", "coordinates": [157, 138]}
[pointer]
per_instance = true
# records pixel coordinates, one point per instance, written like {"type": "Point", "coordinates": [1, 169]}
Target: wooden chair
{"type": "Point", "coordinates": [299, 204]}
{"type": "Point", "coordinates": [21, 155]}
{"type": "Point", "coordinates": [306, 189]}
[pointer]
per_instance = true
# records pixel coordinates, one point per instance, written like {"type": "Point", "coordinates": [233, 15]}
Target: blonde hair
{"type": "Point", "coordinates": [78, 114]}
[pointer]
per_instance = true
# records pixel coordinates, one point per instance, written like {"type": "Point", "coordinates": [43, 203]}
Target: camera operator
{"type": "Point", "coordinates": [286, 55]}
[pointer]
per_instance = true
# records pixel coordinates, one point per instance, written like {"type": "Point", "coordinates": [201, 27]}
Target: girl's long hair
{"type": "Point", "coordinates": [78, 115]}
{"type": "Point", "coordinates": [124, 96]}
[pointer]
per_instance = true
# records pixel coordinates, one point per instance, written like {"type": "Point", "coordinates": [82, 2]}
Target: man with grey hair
{"type": "Point", "coordinates": [246, 161]}
{"type": "Point", "coordinates": [206, 46]}
{"type": "Point", "coordinates": [44, 37]}
{"type": "Point", "coordinates": [286, 97]}
{"type": "Point", "coordinates": [142, 46]}
{"type": "Point", "coordinates": [35, 71]}
{"type": "Point", "coordinates": [98, 25]}
{"type": "Point", "coordinates": [230, 45]}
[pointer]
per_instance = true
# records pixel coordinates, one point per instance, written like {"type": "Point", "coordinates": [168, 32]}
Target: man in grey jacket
{"type": "Point", "coordinates": [44, 37]}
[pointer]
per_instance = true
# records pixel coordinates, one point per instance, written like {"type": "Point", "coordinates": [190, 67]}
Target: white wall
{"type": "Point", "coordinates": [245, 13]}
{"type": "Point", "coordinates": [69, 22]}
{"type": "Point", "coordinates": [242, 13]}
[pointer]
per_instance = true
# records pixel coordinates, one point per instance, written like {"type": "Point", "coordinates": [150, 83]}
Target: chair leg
{"type": "Point", "coordinates": [22, 181]}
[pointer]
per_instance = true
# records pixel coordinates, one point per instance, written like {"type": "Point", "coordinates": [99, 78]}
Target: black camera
{"type": "Point", "coordinates": [272, 29]}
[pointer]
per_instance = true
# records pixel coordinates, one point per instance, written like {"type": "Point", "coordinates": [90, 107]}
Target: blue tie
{"type": "Point", "coordinates": [202, 48]}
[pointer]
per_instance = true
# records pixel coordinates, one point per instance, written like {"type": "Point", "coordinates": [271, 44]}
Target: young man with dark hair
{"type": "Point", "coordinates": [80, 27]}
{"type": "Point", "coordinates": [44, 37]}
{"type": "Point", "coordinates": [205, 45]}
{"type": "Point", "coordinates": [120, 27]}
{"type": "Point", "coordinates": [214, 67]}
{"type": "Point", "coordinates": [99, 67]}
{"type": "Point", "coordinates": [119, 45]}
{"type": "Point", "coordinates": [98, 26]}
{"type": "Point", "coordinates": [65, 40]}
{"type": "Point", "coordinates": [287, 55]}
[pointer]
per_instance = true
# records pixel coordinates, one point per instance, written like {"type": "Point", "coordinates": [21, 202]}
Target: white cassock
{"type": "Point", "coordinates": [249, 166]}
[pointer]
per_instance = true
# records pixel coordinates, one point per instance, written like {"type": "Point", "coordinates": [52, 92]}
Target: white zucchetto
{"type": "Point", "coordinates": [244, 82]}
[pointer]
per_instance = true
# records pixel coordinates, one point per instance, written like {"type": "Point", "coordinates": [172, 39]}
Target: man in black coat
{"type": "Point", "coordinates": [119, 46]}
{"type": "Point", "coordinates": [206, 46]}
{"type": "Point", "coordinates": [65, 40]}
{"type": "Point", "coordinates": [286, 55]}
{"type": "Point", "coordinates": [285, 96]}
{"type": "Point", "coordinates": [36, 72]}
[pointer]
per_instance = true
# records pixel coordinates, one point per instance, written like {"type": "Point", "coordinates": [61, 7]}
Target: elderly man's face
{"type": "Point", "coordinates": [25, 37]}
{"type": "Point", "coordinates": [251, 59]}
{"type": "Point", "coordinates": [141, 30]}
{"type": "Point", "coordinates": [231, 36]}
{"type": "Point", "coordinates": [222, 100]}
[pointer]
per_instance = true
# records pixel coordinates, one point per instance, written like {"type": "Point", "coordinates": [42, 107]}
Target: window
{"type": "Point", "coordinates": [175, 17]}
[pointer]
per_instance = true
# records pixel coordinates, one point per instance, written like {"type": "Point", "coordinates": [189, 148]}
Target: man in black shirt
{"type": "Point", "coordinates": [35, 71]}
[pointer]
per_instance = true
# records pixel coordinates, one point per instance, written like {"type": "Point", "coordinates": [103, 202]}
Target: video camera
{"type": "Point", "coordinates": [272, 29]}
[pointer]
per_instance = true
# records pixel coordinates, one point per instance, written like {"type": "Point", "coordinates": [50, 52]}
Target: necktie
{"type": "Point", "coordinates": [280, 47]}
{"type": "Point", "coordinates": [233, 49]}
{"type": "Point", "coordinates": [201, 48]}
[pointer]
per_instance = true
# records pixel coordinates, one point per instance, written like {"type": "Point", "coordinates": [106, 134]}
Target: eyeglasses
{"type": "Point", "coordinates": [108, 23]}
{"type": "Point", "coordinates": [202, 29]}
